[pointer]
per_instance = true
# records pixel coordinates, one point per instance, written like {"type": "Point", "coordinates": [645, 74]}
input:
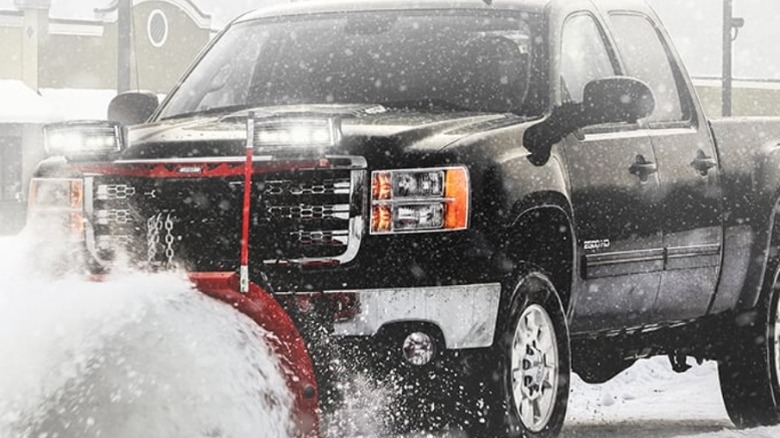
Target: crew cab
{"type": "Point", "coordinates": [471, 199]}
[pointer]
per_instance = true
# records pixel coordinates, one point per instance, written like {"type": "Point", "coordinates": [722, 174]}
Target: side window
{"type": "Point", "coordinates": [584, 56]}
{"type": "Point", "coordinates": [646, 58]}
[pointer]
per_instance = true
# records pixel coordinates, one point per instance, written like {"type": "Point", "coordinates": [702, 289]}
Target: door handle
{"type": "Point", "coordinates": [702, 163]}
{"type": "Point", "coordinates": [642, 168]}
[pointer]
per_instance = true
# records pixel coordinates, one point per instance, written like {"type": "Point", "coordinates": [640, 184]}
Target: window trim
{"type": "Point", "coordinates": [611, 53]}
{"type": "Point", "coordinates": [687, 104]}
{"type": "Point", "coordinates": [617, 68]}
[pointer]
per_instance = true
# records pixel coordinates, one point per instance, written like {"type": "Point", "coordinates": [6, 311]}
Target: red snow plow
{"type": "Point", "coordinates": [224, 283]}
{"type": "Point", "coordinates": [284, 339]}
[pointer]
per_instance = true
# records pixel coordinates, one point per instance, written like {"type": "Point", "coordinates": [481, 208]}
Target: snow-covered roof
{"type": "Point", "coordinates": [20, 104]}
{"type": "Point", "coordinates": [79, 104]}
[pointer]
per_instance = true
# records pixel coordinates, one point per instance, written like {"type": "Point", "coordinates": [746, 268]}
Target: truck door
{"type": "Point", "coordinates": [691, 208]}
{"type": "Point", "coordinates": [615, 187]}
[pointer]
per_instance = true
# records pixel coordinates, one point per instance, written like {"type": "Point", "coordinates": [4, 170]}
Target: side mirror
{"type": "Point", "coordinates": [133, 107]}
{"type": "Point", "coordinates": [616, 99]}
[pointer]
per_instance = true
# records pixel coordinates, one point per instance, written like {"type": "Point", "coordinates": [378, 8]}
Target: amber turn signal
{"type": "Point", "coordinates": [456, 191]}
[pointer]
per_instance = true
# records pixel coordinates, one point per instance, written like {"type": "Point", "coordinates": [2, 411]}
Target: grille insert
{"type": "Point", "coordinates": [297, 216]}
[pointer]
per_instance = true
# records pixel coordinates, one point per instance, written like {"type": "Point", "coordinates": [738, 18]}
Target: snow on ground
{"type": "Point", "coordinates": [138, 355]}
{"type": "Point", "coordinates": [648, 400]}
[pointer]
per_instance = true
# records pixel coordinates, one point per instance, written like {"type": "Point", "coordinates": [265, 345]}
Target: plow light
{"type": "Point", "coordinates": [419, 349]}
{"type": "Point", "coordinates": [405, 201]}
{"type": "Point", "coordinates": [84, 139]}
{"type": "Point", "coordinates": [297, 132]}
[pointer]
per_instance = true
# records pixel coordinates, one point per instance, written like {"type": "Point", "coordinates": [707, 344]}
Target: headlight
{"type": "Point", "coordinates": [405, 201]}
{"type": "Point", "coordinates": [84, 139]}
{"type": "Point", "coordinates": [57, 203]}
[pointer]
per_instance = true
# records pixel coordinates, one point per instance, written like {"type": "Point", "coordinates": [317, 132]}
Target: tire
{"type": "Point", "coordinates": [749, 374]}
{"type": "Point", "coordinates": [529, 394]}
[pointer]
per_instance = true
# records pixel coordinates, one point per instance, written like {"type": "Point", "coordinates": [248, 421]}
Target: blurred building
{"type": "Point", "coordinates": [54, 68]}
{"type": "Point", "coordinates": [46, 52]}
{"type": "Point", "coordinates": [20, 148]}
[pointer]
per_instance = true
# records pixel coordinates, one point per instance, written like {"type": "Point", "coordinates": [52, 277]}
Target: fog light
{"type": "Point", "coordinates": [419, 349]}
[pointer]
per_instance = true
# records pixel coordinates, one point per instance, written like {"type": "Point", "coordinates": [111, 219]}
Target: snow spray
{"type": "Point", "coordinates": [134, 355]}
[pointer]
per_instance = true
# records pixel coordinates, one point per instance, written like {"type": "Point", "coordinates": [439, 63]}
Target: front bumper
{"type": "Point", "coordinates": [466, 315]}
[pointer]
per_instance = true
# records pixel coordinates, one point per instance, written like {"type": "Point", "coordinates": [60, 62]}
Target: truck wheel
{"type": "Point", "coordinates": [533, 364]}
{"type": "Point", "coordinates": [750, 373]}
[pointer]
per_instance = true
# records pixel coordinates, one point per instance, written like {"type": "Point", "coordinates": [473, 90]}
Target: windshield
{"type": "Point", "coordinates": [463, 61]}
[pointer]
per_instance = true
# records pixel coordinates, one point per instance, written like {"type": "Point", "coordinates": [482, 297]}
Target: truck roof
{"type": "Point", "coordinates": [317, 6]}
{"type": "Point", "coordinates": [313, 7]}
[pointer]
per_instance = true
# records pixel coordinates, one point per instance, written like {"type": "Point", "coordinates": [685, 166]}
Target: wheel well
{"type": "Point", "coordinates": [544, 237]}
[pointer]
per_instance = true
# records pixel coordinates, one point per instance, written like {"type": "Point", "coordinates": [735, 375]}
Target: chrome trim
{"type": "Point", "coordinates": [356, 224]}
{"type": "Point", "coordinates": [693, 257]}
{"type": "Point", "coordinates": [694, 250]}
{"type": "Point", "coordinates": [614, 258]}
{"type": "Point", "coordinates": [467, 315]}
{"type": "Point", "coordinates": [624, 263]}
{"type": "Point", "coordinates": [652, 260]}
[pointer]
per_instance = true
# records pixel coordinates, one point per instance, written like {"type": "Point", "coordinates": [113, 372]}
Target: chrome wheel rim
{"type": "Point", "coordinates": [534, 368]}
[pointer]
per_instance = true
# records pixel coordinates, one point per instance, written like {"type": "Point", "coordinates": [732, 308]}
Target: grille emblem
{"type": "Point", "coordinates": [189, 170]}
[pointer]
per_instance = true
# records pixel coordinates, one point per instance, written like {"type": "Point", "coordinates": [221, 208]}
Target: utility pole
{"type": "Point", "coordinates": [731, 26]}
{"type": "Point", "coordinates": [124, 38]}
{"type": "Point", "coordinates": [728, 15]}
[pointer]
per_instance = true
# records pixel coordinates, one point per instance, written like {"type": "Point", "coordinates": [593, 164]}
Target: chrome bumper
{"type": "Point", "coordinates": [466, 315]}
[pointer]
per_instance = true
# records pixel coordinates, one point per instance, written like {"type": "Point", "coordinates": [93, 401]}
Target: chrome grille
{"type": "Point", "coordinates": [105, 192]}
{"type": "Point", "coordinates": [298, 216]}
{"type": "Point", "coordinates": [310, 212]}
{"type": "Point", "coordinates": [327, 187]}
{"type": "Point", "coordinates": [109, 217]}
{"type": "Point", "coordinates": [334, 237]}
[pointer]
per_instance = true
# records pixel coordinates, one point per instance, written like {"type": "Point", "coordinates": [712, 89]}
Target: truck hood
{"type": "Point", "coordinates": [365, 128]}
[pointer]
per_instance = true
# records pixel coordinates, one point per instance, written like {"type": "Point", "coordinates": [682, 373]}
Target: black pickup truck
{"type": "Point", "coordinates": [475, 199]}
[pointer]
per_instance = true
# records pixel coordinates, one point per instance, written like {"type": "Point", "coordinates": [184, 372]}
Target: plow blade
{"type": "Point", "coordinates": [284, 339]}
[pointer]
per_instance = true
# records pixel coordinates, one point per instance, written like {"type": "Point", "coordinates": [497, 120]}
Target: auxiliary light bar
{"type": "Point", "coordinates": [297, 132]}
{"type": "Point", "coordinates": [84, 139]}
